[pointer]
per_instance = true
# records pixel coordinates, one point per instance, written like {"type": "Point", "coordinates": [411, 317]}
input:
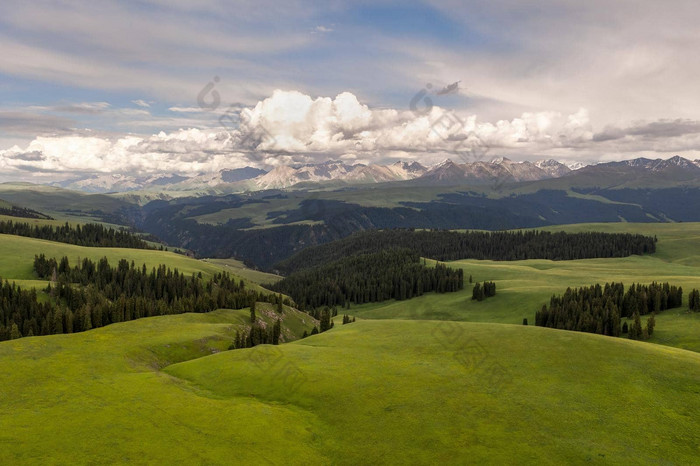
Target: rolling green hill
{"type": "Point", "coordinates": [370, 392]}
{"type": "Point", "coordinates": [238, 268]}
{"type": "Point", "coordinates": [17, 256]}
{"type": "Point", "coordinates": [524, 286]}
{"type": "Point", "coordinates": [64, 204]}
{"type": "Point", "coordinates": [98, 396]}
{"type": "Point", "coordinates": [405, 385]}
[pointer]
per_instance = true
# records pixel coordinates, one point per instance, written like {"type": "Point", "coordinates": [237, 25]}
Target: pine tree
{"type": "Point", "coordinates": [525, 321]}
{"type": "Point", "coordinates": [276, 332]}
{"type": "Point", "coordinates": [625, 328]}
{"type": "Point", "coordinates": [636, 331]}
{"type": "Point", "coordinates": [325, 320]}
{"type": "Point", "coordinates": [694, 301]}
{"type": "Point", "coordinates": [253, 318]}
{"type": "Point", "coordinates": [477, 292]}
{"type": "Point", "coordinates": [651, 323]}
{"type": "Point", "coordinates": [280, 309]}
{"type": "Point", "coordinates": [14, 332]}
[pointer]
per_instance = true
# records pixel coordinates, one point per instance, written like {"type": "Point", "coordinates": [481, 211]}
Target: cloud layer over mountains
{"type": "Point", "coordinates": [291, 127]}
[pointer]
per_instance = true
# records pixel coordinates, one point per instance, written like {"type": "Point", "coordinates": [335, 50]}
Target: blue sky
{"type": "Point", "coordinates": [540, 79]}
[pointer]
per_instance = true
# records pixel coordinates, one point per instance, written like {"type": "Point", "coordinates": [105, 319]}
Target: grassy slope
{"type": "Point", "coordinates": [59, 203]}
{"type": "Point", "coordinates": [97, 397]}
{"type": "Point", "coordinates": [17, 254]}
{"type": "Point", "coordinates": [237, 267]}
{"type": "Point", "coordinates": [371, 392]}
{"type": "Point", "coordinates": [35, 221]}
{"type": "Point", "coordinates": [428, 392]}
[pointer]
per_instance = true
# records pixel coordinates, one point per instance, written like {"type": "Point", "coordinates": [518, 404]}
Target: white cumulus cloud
{"type": "Point", "coordinates": [292, 127]}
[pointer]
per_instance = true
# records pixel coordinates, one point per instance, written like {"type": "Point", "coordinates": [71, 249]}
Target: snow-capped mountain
{"type": "Point", "coordinates": [124, 183]}
{"type": "Point", "coordinates": [117, 183]}
{"type": "Point", "coordinates": [502, 169]}
{"type": "Point", "coordinates": [661, 164]}
{"type": "Point", "coordinates": [221, 177]}
{"type": "Point", "coordinates": [525, 171]}
{"type": "Point", "coordinates": [573, 166]}
{"type": "Point", "coordinates": [447, 172]}
{"type": "Point", "coordinates": [553, 168]}
{"type": "Point", "coordinates": [284, 176]}
{"type": "Point", "coordinates": [398, 171]}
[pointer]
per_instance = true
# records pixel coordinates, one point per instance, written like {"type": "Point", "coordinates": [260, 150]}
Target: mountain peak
{"type": "Point", "coordinates": [445, 163]}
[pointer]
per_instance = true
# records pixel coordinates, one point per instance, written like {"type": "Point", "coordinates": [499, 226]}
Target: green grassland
{"type": "Point", "coordinates": [405, 384]}
{"type": "Point", "coordinates": [62, 204]}
{"type": "Point", "coordinates": [366, 393]}
{"type": "Point", "coordinates": [17, 255]}
{"type": "Point", "coordinates": [238, 268]}
{"type": "Point", "coordinates": [99, 397]}
{"type": "Point", "coordinates": [36, 221]}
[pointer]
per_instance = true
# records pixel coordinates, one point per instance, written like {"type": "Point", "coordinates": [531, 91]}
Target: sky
{"type": "Point", "coordinates": [155, 87]}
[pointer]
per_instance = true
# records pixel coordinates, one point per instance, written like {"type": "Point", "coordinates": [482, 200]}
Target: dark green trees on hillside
{"type": "Point", "coordinates": [15, 211]}
{"type": "Point", "coordinates": [91, 295]}
{"type": "Point", "coordinates": [599, 309]}
{"type": "Point", "coordinates": [694, 301]}
{"type": "Point", "coordinates": [253, 318]}
{"type": "Point", "coordinates": [258, 334]}
{"type": "Point", "coordinates": [394, 274]}
{"type": "Point", "coordinates": [451, 245]}
{"type": "Point", "coordinates": [91, 234]}
{"type": "Point", "coordinates": [481, 292]}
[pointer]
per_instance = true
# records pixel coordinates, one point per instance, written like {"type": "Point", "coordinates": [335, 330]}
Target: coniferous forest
{"type": "Point", "coordinates": [91, 295]}
{"type": "Point", "coordinates": [450, 245]}
{"type": "Point", "coordinates": [90, 234]}
{"type": "Point", "coordinates": [15, 211]}
{"type": "Point", "coordinates": [597, 309]}
{"type": "Point", "coordinates": [392, 274]}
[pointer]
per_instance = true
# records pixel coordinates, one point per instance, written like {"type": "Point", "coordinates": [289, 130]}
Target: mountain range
{"type": "Point", "coordinates": [447, 172]}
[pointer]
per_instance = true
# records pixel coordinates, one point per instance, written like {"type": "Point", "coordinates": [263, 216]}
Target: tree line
{"type": "Point", "coordinates": [91, 234]}
{"type": "Point", "coordinates": [91, 295]}
{"type": "Point", "coordinates": [392, 274]}
{"type": "Point", "coordinates": [597, 309]}
{"type": "Point", "coordinates": [15, 211]}
{"type": "Point", "coordinates": [447, 245]}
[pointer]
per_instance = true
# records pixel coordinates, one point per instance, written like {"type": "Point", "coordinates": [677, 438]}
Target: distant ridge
{"type": "Point", "coordinates": [448, 172]}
